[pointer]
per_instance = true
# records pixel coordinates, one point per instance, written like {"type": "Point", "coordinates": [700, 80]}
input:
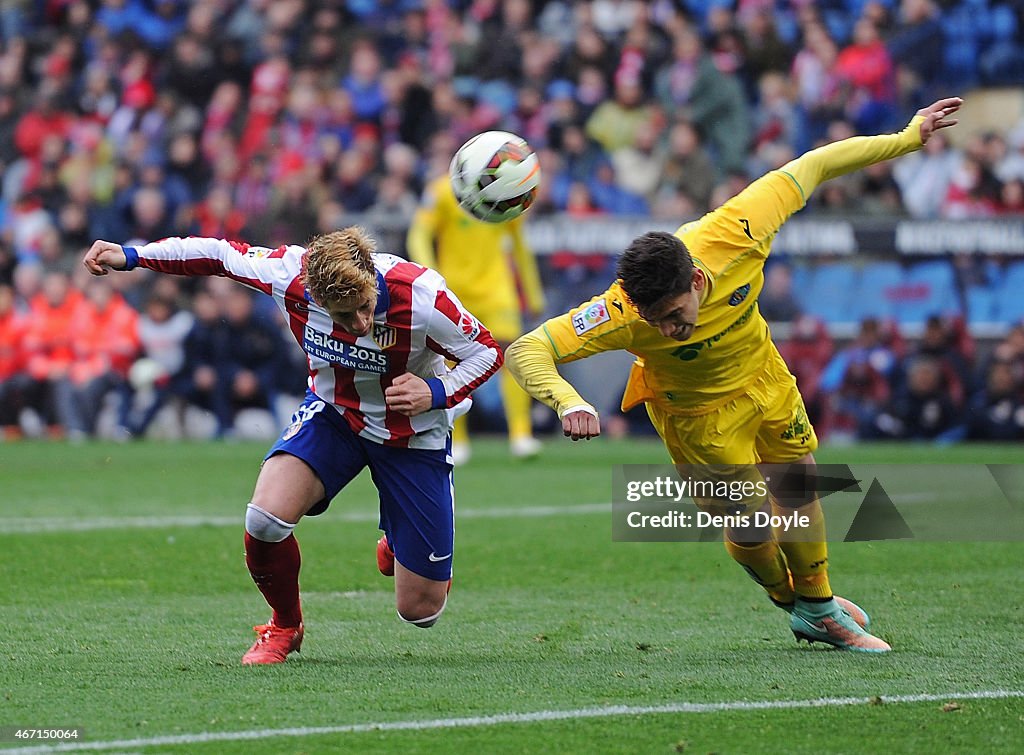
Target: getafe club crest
{"type": "Point", "coordinates": [384, 335]}
{"type": "Point", "coordinates": [739, 295]}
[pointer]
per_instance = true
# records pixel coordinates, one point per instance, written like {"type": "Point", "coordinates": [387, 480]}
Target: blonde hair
{"type": "Point", "coordinates": [338, 266]}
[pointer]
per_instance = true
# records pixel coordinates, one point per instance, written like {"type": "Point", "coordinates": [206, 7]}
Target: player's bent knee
{"type": "Point", "coordinates": [264, 526]}
{"type": "Point", "coordinates": [424, 613]}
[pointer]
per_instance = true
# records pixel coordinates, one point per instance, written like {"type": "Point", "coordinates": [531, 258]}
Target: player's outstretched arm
{"type": "Point", "coordinates": [532, 364]}
{"type": "Point", "coordinates": [104, 256]}
{"type": "Point", "coordinates": [842, 157]}
{"type": "Point", "coordinates": [259, 268]}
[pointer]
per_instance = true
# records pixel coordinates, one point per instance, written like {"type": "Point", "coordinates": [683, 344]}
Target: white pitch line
{"type": "Point", "coordinates": [32, 525]}
{"type": "Point", "coordinates": [512, 718]}
{"type": "Point", "coordinates": [36, 525]}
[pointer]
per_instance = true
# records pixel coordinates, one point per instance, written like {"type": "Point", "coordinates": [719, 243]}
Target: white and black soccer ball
{"type": "Point", "coordinates": [495, 176]}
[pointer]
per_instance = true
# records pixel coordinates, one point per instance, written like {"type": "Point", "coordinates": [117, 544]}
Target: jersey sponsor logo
{"type": "Point", "coordinates": [739, 295]}
{"type": "Point", "coordinates": [591, 317]}
{"type": "Point", "coordinates": [746, 227]}
{"type": "Point", "coordinates": [350, 355]}
{"type": "Point", "coordinates": [385, 335]}
{"type": "Point", "coordinates": [618, 305]}
{"type": "Point", "coordinates": [469, 326]}
{"type": "Point", "coordinates": [690, 351]}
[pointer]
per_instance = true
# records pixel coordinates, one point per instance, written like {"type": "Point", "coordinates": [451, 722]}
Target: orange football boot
{"type": "Point", "coordinates": [836, 628]}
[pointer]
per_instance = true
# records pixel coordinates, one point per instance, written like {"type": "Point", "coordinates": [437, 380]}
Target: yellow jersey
{"type": "Point", "coordinates": [471, 254]}
{"type": "Point", "coordinates": [731, 344]}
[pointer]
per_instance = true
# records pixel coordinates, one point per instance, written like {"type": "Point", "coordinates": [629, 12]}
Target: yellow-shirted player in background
{"type": "Point", "coordinates": [473, 256]}
{"type": "Point", "coordinates": [714, 385]}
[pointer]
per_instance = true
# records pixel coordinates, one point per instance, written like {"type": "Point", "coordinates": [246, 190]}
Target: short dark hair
{"type": "Point", "coordinates": [654, 266]}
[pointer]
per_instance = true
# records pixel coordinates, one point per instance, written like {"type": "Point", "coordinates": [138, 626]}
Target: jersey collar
{"type": "Point", "coordinates": [383, 297]}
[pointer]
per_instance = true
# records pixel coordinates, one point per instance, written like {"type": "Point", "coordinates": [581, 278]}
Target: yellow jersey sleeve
{"type": "Point", "coordinates": [839, 158]}
{"type": "Point", "coordinates": [748, 222]}
{"type": "Point", "coordinates": [531, 362]}
{"type": "Point", "coordinates": [605, 323]}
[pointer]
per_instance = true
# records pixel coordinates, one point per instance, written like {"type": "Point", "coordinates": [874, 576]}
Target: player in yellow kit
{"type": "Point", "coordinates": [472, 257]}
{"type": "Point", "coordinates": [714, 385]}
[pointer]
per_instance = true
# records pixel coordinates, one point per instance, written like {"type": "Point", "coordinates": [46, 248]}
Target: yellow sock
{"type": "Point", "coordinates": [517, 407]}
{"type": "Point", "coordinates": [807, 553]}
{"type": "Point", "coordinates": [766, 565]}
{"type": "Point", "coordinates": [460, 432]}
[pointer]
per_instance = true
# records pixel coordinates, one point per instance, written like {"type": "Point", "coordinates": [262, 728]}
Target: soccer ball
{"type": "Point", "coordinates": [495, 176]}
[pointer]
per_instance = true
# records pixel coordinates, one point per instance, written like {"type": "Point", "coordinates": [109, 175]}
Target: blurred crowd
{"type": "Point", "coordinates": [881, 385]}
{"type": "Point", "coordinates": [272, 120]}
{"type": "Point", "coordinates": [936, 388]}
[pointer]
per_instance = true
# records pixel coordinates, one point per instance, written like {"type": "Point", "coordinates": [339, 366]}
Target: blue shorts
{"type": "Point", "coordinates": [417, 497]}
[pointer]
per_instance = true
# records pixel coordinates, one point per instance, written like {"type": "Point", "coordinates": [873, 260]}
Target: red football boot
{"type": "Point", "coordinates": [273, 644]}
{"type": "Point", "coordinates": [385, 557]}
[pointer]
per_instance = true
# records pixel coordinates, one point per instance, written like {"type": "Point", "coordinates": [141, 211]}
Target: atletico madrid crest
{"type": "Point", "coordinates": [384, 335]}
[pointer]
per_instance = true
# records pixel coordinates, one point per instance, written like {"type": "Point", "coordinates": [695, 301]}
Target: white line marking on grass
{"type": "Point", "coordinates": [32, 525]}
{"type": "Point", "coordinates": [513, 718]}
{"type": "Point", "coordinates": [36, 525]}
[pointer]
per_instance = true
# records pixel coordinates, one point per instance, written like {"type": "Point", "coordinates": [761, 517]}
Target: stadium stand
{"type": "Point", "coordinates": [929, 288]}
{"type": "Point", "coordinates": [1009, 301]}
{"type": "Point", "coordinates": [267, 122]}
{"type": "Point", "coordinates": [881, 283]}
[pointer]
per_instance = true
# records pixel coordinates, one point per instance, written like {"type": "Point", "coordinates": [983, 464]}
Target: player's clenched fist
{"type": "Point", "coordinates": [581, 424]}
{"type": "Point", "coordinates": [104, 256]}
{"type": "Point", "coordinates": [408, 394]}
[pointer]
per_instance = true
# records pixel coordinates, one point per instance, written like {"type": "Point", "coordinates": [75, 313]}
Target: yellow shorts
{"type": "Point", "coordinates": [768, 423]}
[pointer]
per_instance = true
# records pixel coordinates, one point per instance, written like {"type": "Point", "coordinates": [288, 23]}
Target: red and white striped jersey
{"type": "Point", "coordinates": [418, 324]}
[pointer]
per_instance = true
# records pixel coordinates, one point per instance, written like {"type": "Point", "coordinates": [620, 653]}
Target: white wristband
{"type": "Point", "coordinates": [580, 408]}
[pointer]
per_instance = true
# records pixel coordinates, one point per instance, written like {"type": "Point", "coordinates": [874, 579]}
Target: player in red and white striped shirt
{"type": "Point", "coordinates": [376, 331]}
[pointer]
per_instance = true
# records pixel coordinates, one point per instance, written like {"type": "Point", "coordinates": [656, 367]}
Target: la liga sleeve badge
{"type": "Point", "coordinates": [590, 317]}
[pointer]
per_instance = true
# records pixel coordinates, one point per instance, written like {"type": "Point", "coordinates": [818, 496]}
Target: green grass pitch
{"type": "Point", "coordinates": [125, 607]}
